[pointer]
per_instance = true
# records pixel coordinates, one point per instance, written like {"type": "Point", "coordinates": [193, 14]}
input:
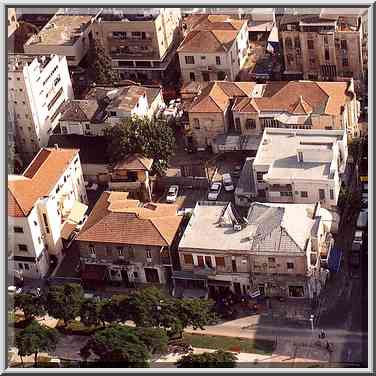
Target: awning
{"type": "Point", "coordinates": [93, 272]}
{"type": "Point", "coordinates": [179, 274]}
{"type": "Point", "coordinates": [67, 229]}
{"type": "Point", "coordinates": [334, 260]}
{"type": "Point", "coordinates": [214, 282]}
{"type": "Point", "coordinates": [77, 212]}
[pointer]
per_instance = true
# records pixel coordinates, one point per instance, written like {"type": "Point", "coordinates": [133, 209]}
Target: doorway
{"type": "Point", "coordinates": [237, 288]}
{"type": "Point", "coordinates": [151, 275]}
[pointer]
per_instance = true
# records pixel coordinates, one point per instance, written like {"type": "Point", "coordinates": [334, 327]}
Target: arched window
{"type": "Point", "coordinates": [288, 42]}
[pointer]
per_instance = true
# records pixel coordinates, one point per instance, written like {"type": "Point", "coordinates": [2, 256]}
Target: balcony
{"type": "Point", "coordinates": [204, 270]}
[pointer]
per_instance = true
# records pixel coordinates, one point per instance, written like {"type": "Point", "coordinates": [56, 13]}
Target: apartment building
{"type": "Point", "coordinates": [318, 48]}
{"type": "Point", "coordinates": [141, 42]}
{"type": "Point", "coordinates": [298, 105]}
{"type": "Point", "coordinates": [12, 21]}
{"type": "Point", "coordinates": [214, 48]}
{"type": "Point", "coordinates": [300, 166]}
{"type": "Point", "coordinates": [209, 112]}
{"type": "Point", "coordinates": [66, 34]}
{"type": "Point", "coordinates": [43, 203]}
{"type": "Point", "coordinates": [37, 87]}
{"type": "Point", "coordinates": [269, 251]}
{"type": "Point", "coordinates": [124, 241]}
{"type": "Point", "coordinates": [105, 106]}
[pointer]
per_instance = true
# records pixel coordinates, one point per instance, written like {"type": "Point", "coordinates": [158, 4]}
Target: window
{"type": "Point", "coordinates": [189, 60]}
{"type": "Point", "coordinates": [188, 259]}
{"type": "Point", "coordinates": [297, 42]}
{"type": "Point", "coordinates": [234, 267]}
{"type": "Point", "coordinates": [196, 123]}
{"type": "Point", "coordinates": [218, 60]}
{"type": "Point", "coordinates": [300, 156]}
{"type": "Point", "coordinates": [203, 57]}
{"type": "Point", "coordinates": [345, 62]}
{"type": "Point", "coordinates": [325, 40]}
{"type": "Point", "coordinates": [328, 128]}
{"type": "Point", "coordinates": [321, 194]}
{"type": "Point", "coordinates": [46, 223]}
{"type": "Point", "coordinates": [35, 223]}
{"type": "Point", "coordinates": [304, 194]}
{"type": "Point", "coordinates": [260, 176]}
{"type": "Point", "coordinates": [271, 260]}
{"type": "Point", "coordinates": [286, 194]}
{"type": "Point", "coordinates": [331, 192]}
{"type": "Point", "coordinates": [148, 253]}
{"type": "Point", "coordinates": [200, 260]}
{"type": "Point", "coordinates": [39, 240]}
{"type": "Point", "coordinates": [220, 261]}
{"type": "Point", "coordinates": [20, 266]}
{"type": "Point", "coordinates": [310, 44]}
{"type": "Point", "coordinates": [221, 76]}
{"type": "Point", "coordinates": [290, 265]}
{"type": "Point", "coordinates": [312, 61]}
{"type": "Point", "coordinates": [27, 267]}
{"type": "Point", "coordinates": [208, 261]}
{"type": "Point", "coordinates": [205, 76]}
{"type": "Point", "coordinates": [18, 229]}
{"type": "Point", "coordinates": [250, 124]}
{"type": "Point", "coordinates": [22, 247]}
{"type": "Point", "coordinates": [120, 251]}
{"type": "Point", "coordinates": [288, 43]}
{"type": "Point", "coordinates": [344, 45]}
{"type": "Point", "coordinates": [327, 56]}
{"type": "Point", "coordinates": [237, 124]}
{"type": "Point", "coordinates": [130, 251]}
{"type": "Point", "coordinates": [192, 76]}
{"type": "Point", "coordinates": [296, 291]}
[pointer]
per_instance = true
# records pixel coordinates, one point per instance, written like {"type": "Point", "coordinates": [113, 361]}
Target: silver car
{"type": "Point", "coordinates": [172, 193]}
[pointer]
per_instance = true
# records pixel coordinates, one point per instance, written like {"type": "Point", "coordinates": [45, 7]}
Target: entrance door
{"type": "Point", "coordinates": [237, 288]}
{"type": "Point", "coordinates": [151, 275]}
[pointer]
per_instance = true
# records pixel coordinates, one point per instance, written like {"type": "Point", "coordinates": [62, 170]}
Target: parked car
{"type": "Point", "coordinates": [358, 237]}
{"type": "Point", "coordinates": [227, 182]}
{"type": "Point", "coordinates": [362, 220]}
{"type": "Point", "coordinates": [172, 193]}
{"type": "Point", "coordinates": [214, 191]}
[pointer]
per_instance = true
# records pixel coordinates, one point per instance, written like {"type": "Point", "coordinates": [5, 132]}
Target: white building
{"type": "Point", "coordinates": [44, 205]}
{"type": "Point", "coordinates": [107, 106]}
{"type": "Point", "coordinates": [37, 87]}
{"type": "Point", "coordinates": [215, 48]}
{"type": "Point", "coordinates": [66, 34]}
{"type": "Point", "coordinates": [300, 166]}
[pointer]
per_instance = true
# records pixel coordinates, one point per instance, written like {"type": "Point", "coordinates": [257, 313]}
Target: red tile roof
{"type": "Point", "coordinates": [130, 223]}
{"type": "Point", "coordinates": [38, 179]}
{"type": "Point", "coordinates": [134, 162]}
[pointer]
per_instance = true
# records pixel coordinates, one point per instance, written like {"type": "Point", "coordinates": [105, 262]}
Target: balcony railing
{"type": "Point", "coordinates": [204, 270]}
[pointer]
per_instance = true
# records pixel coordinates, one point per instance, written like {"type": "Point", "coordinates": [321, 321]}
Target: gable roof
{"type": "Point", "coordinates": [216, 96]}
{"type": "Point", "coordinates": [134, 162]}
{"type": "Point", "coordinates": [212, 22]}
{"type": "Point", "coordinates": [38, 179]}
{"type": "Point", "coordinates": [116, 219]}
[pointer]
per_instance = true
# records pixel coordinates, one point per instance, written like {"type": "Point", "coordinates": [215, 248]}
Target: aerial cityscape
{"type": "Point", "coordinates": [187, 187]}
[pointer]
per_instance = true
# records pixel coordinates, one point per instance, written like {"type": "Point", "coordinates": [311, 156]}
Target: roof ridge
{"type": "Point", "coordinates": [156, 227]}
{"type": "Point", "coordinates": [217, 85]}
{"type": "Point", "coordinates": [283, 229]}
{"type": "Point", "coordinates": [328, 96]}
{"type": "Point", "coordinates": [222, 44]}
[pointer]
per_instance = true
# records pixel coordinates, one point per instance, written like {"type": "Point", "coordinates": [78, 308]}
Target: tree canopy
{"type": "Point", "coordinates": [31, 306]}
{"type": "Point", "coordinates": [150, 138]}
{"type": "Point", "coordinates": [217, 359]}
{"type": "Point", "coordinates": [36, 338]}
{"type": "Point", "coordinates": [64, 302]}
{"type": "Point", "coordinates": [122, 346]}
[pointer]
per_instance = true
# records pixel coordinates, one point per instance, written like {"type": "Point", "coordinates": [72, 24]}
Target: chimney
{"type": "Point", "coordinates": [56, 146]}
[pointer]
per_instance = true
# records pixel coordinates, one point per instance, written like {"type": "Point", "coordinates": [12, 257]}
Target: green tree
{"type": "Point", "coordinates": [117, 346]}
{"type": "Point", "coordinates": [64, 302]}
{"type": "Point", "coordinates": [101, 62]}
{"type": "Point", "coordinates": [150, 138]}
{"type": "Point", "coordinates": [36, 338]}
{"type": "Point", "coordinates": [90, 311]}
{"type": "Point", "coordinates": [31, 306]}
{"type": "Point", "coordinates": [218, 359]}
{"type": "Point", "coordinates": [155, 339]}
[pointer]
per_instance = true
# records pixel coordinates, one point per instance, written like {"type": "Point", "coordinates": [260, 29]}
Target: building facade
{"type": "Point", "coordinates": [215, 48]}
{"type": "Point", "coordinates": [37, 88]}
{"type": "Point", "coordinates": [300, 166]}
{"type": "Point", "coordinates": [220, 251]}
{"type": "Point", "coordinates": [140, 42]}
{"type": "Point", "coordinates": [317, 48]}
{"type": "Point", "coordinates": [49, 196]}
{"type": "Point", "coordinates": [12, 21]}
{"type": "Point", "coordinates": [128, 241]}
